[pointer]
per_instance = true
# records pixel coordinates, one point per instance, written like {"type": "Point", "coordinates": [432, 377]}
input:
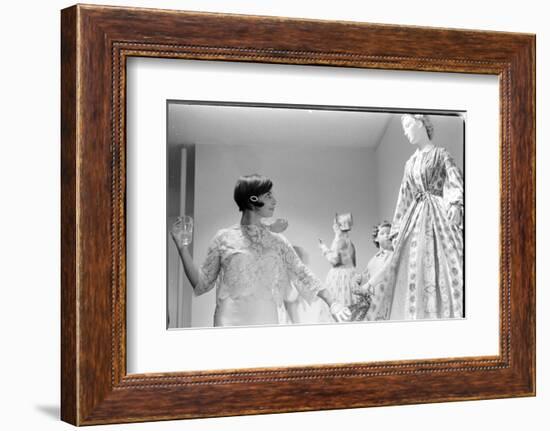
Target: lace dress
{"type": "Point", "coordinates": [424, 277]}
{"type": "Point", "coordinates": [252, 269]}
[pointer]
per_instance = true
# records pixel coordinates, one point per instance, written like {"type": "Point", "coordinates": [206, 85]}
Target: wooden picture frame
{"type": "Point", "coordinates": [95, 43]}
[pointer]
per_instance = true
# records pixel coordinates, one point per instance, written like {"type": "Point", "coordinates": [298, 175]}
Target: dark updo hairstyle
{"type": "Point", "coordinates": [376, 229]}
{"type": "Point", "coordinates": [248, 189]}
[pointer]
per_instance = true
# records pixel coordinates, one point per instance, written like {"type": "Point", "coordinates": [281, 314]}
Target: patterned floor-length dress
{"type": "Point", "coordinates": [424, 277]}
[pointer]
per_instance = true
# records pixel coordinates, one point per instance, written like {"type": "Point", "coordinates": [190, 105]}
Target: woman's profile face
{"type": "Point", "coordinates": [269, 202]}
{"type": "Point", "coordinates": [412, 128]}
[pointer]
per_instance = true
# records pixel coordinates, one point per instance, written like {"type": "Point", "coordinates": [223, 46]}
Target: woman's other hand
{"type": "Point", "coordinates": [340, 312]}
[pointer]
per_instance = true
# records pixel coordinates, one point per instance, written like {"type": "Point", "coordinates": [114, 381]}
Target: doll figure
{"type": "Point", "coordinates": [341, 256]}
{"type": "Point", "coordinates": [366, 296]}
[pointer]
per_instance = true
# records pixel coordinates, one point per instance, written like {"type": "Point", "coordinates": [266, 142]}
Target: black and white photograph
{"type": "Point", "coordinates": [305, 214]}
{"type": "Point", "coordinates": [274, 215]}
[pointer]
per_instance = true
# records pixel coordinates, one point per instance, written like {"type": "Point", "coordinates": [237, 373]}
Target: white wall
{"type": "Point", "coordinates": [29, 227]}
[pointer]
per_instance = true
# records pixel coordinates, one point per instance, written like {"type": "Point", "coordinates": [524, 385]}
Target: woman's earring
{"type": "Point", "coordinates": [254, 199]}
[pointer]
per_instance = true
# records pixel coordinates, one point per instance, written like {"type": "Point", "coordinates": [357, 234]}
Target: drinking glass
{"type": "Point", "coordinates": [183, 230]}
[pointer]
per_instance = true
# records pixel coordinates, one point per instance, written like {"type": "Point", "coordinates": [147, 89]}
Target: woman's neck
{"type": "Point", "coordinates": [250, 217]}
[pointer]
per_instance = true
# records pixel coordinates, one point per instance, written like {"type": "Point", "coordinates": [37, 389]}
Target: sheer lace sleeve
{"type": "Point", "coordinates": [404, 199]}
{"type": "Point", "coordinates": [300, 275]}
{"type": "Point", "coordinates": [208, 272]}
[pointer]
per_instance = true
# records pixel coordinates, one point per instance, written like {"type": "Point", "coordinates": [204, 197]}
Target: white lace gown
{"type": "Point", "coordinates": [252, 269]}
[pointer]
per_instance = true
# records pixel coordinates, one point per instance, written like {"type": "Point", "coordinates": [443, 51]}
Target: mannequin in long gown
{"type": "Point", "coordinates": [424, 277]}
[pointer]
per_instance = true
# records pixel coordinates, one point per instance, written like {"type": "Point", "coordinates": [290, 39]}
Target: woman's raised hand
{"type": "Point", "coordinates": [182, 231]}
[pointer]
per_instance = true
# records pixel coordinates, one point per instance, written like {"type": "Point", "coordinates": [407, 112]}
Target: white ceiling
{"type": "Point", "coordinates": [206, 124]}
